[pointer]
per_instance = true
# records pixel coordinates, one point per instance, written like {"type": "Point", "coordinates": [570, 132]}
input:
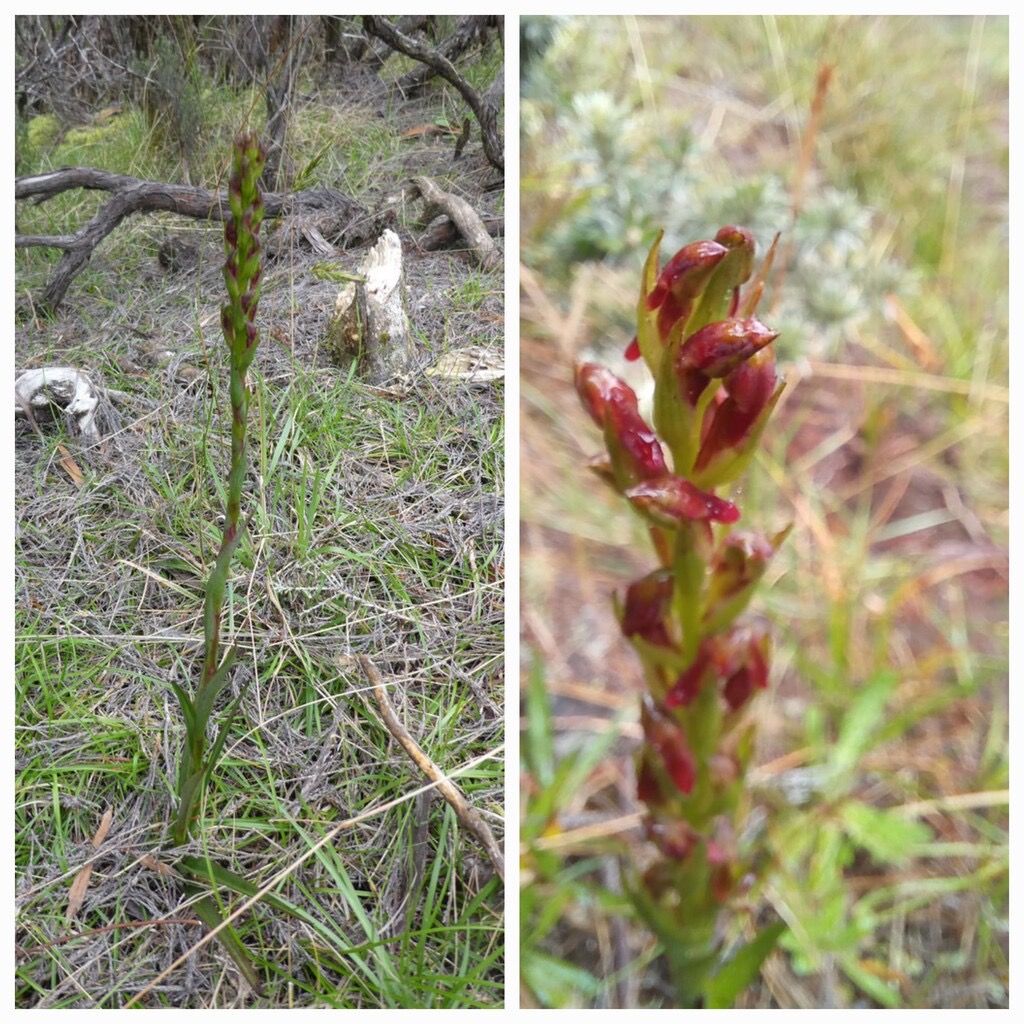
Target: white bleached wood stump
{"type": "Point", "coordinates": [370, 325]}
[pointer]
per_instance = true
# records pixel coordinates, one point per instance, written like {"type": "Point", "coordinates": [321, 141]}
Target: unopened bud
{"type": "Point", "coordinates": [671, 499]}
{"type": "Point", "coordinates": [646, 607]}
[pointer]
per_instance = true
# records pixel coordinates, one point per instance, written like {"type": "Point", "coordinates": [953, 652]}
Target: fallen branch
{"type": "Point", "coordinates": [466, 220]}
{"type": "Point", "coordinates": [443, 233]}
{"type": "Point", "coordinates": [469, 816]}
{"type": "Point", "coordinates": [313, 214]}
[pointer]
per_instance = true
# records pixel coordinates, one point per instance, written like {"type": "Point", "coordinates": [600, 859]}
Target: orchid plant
{"type": "Point", "coordinates": [715, 387]}
{"type": "Point", "coordinates": [242, 273]}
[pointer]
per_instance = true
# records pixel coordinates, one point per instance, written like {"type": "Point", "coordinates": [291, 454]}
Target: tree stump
{"type": "Point", "coordinates": [370, 326]}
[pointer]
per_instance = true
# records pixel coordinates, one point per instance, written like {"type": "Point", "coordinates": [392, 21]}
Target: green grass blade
{"type": "Point", "coordinates": [739, 972]}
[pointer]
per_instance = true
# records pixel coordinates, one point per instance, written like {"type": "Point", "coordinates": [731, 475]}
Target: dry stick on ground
{"type": "Point", "coordinates": [468, 815]}
{"type": "Point", "coordinates": [484, 107]}
{"type": "Point", "coordinates": [443, 233]}
{"type": "Point", "coordinates": [328, 211]}
{"type": "Point", "coordinates": [463, 216]}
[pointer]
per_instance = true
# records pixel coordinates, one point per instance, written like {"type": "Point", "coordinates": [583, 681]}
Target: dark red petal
{"type": "Point", "coordinates": [595, 385]}
{"type": "Point", "coordinates": [669, 741]}
{"type": "Point", "coordinates": [634, 439]}
{"type": "Point", "coordinates": [688, 266]}
{"type": "Point", "coordinates": [687, 686]}
{"type": "Point", "coordinates": [738, 688]}
{"type": "Point", "coordinates": [752, 384]}
{"type": "Point", "coordinates": [675, 839]}
{"type": "Point", "coordinates": [646, 607]}
{"type": "Point", "coordinates": [672, 499]}
{"type": "Point", "coordinates": [681, 282]}
{"type": "Point", "coordinates": [720, 347]}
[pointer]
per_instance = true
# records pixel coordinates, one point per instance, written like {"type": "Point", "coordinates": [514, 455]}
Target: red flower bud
{"type": "Point", "coordinates": [646, 608]}
{"type": "Point", "coordinates": [721, 882]}
{"type": "Point", "coordinates": [633, 350]}
{"type": "Point", "coordinates": [671, 499]}
{"type": "Point", "coordinates": [739, 656]}
{"type": "Point", "coordinates": [634, 449]}
{"type": "Point", "coordinates": [687, 686]}
{"type": "Point", "coordinates": [716, 350]}
{"type": "Point", "coordinates": [675, 839]}
{"type": "Point", "coordinates": [740, 244]}
{"type": "Point", "coordinates": [752, 384]}
{"type": "Point", "coordinates": [734, 426]}
{"type": "Point", "coordinates": [595, 385]}
{"type": "Point", "coordinates": [681, 283]}
{"type": "Point", "coordinates": [669, 741]}
{"type": "Point", "coordinates": [739, 562]}
{"type": "Point", "coordinates": [750, 654]}
{"type": "Point", "coordinates": [647, 789]}
{"type": "Point", "coordinates": [738, 687]}
{"type": "Point", "coordinates": [721, 295]}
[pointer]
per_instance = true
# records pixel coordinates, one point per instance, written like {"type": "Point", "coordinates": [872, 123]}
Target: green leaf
{"type": "Point", "coordinates": [305, 176]}
{"type": "Point", "coordinates": [210, 915]}
{"type": "Point", "coordinates": [210, 691]}
{"type": "Point", "coordinates": [874, 986]}
{"type": "Point", "coordinates": [886, 835]}
{"type": "Point", "coordinates": [556, 983]}
{"type": "Point", "coordinates": [569, 776]}
{"type": "Point", "coordinates": [539, 746]}
{"type": "Point", "coordinates": [187, 707]}
{"type": "Point", "coordinates": [226, 719]}
{"type": "Point", "coordinates": [861, 725]}
{"type": "Point", "coordinates": [740, 971]}
{"type": "Point", "coordinates": [203, 869]}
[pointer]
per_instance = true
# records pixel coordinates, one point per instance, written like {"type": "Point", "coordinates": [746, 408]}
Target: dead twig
{"type": "Point", "coordinates": [468, 815]}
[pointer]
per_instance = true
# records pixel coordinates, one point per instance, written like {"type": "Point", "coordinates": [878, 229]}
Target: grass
{"type": "Point", "coordinates": [881, 787]}
{"type": "Point", "coordinates": [377, 528]}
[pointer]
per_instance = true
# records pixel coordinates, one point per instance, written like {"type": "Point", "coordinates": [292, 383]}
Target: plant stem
{"type": "Point", "coordinates": [242, 272]}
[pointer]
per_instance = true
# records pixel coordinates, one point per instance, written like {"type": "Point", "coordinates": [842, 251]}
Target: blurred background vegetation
{"type": "Point", "coordinates": [878, 147]}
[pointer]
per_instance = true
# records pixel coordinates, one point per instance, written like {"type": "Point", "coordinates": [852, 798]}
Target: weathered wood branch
{"type": "Point", "coordinates": [471, 29]}
{"type": "Point", "coordinates": [484, 108]}
{"type": "Point", "coordinates": [316, 213]}
{"type": "Point", "coordinates": [443, 233]}
{"type": "Point", "coordinates": [463, 216]}
{"type": "Point", "coordinates": [86, 408]}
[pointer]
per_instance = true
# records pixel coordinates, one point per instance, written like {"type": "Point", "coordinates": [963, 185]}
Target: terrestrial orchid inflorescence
{"type": "Point", "coordinates": [716, 385]}
{"type": "Point", "coordinates": [242, 274]}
